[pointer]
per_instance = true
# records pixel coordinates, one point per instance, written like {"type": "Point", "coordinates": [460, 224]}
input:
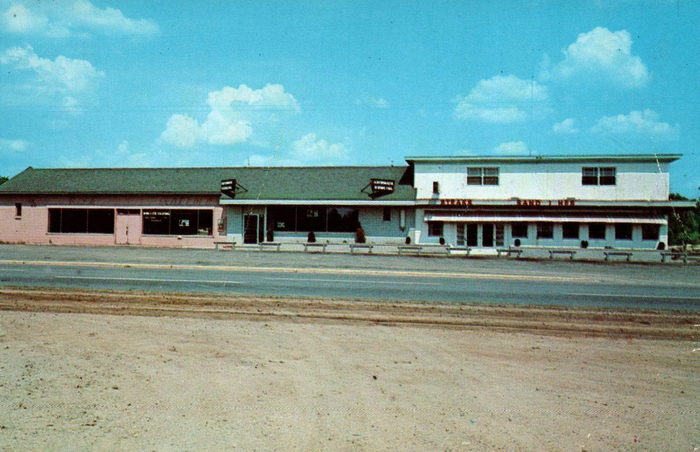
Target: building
{"type": "Point", "coordinates": [618, 201]}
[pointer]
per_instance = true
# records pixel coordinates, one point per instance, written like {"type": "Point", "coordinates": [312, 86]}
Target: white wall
{"type": "Point", "coordinates": [635, 181]}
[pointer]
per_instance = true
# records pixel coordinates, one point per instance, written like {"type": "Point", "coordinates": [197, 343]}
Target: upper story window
{"type": "Point", "coordinates": [482, 176]}
{"type": "Point", "coordinates": [598, 175]}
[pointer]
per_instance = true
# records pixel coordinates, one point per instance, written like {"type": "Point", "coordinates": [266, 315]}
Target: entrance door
{"type": "Point", "coordinates": [472, 234]}
{"type": "Point", "coordinates": [253, 228]}
{"type": "Point", "coordinates": [487, 235]}
{"type": "Point", "coordinates": [127, 228]}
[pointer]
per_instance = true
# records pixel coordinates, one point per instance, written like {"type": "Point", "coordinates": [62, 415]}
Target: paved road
{"type": "Point", "coordinates": [387, 278]}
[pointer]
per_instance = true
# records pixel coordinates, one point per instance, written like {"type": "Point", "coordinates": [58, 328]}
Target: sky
{"type": "Point", "coordinates": [92, 83]}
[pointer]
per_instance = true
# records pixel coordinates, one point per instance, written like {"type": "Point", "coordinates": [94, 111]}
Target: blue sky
{"type": "Point", "coordinates": [91, 83]}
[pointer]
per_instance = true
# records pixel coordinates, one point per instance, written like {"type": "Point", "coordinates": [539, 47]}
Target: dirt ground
{"type": "Point", "coordinates": [276, 374]}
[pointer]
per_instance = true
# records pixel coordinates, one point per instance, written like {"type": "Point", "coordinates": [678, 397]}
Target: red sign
{"type": "Point", "coordinates": [549, 203]}
{"type": "Point", "coordinates": [456, 202]}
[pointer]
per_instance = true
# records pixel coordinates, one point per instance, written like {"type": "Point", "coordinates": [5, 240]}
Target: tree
{"type": "Point", "coordinates": [3, 179]}
{"type": "Point", "coordinates": [684, 225]}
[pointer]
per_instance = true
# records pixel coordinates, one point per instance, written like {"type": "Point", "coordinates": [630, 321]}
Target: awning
{"type": "Point", "coordinates": [544, 219]}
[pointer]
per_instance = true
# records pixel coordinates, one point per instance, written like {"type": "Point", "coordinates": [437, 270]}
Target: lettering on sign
{"type": "Point", "coordinates": [548, 203]}
{"type": "Point", "coordinates": [456, 202]}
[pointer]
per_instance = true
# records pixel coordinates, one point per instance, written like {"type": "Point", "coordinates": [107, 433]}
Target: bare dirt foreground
{"type": "Point", "coordinates": [206, 373]}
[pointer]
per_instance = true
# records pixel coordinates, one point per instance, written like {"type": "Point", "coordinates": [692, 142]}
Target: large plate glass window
{"type": "Point", "coordinates": [569, 230]}
{"type": "Point", "coordinates": [623, 231]}
{"type": "Point", "coordinates": [81, 221]}
{"type": "Point", "coordinates": [519, 230]}
{"type": "Point", "coordinates": [178, 222]}
{"type": "Point", "coordinates": [545, 230]}
{"type": "Point", "coordinates": [435, 228]}
{"type": "Point", "coordinates": [650, 232]}
{"type": "Point", "coordinates": [596, 231]}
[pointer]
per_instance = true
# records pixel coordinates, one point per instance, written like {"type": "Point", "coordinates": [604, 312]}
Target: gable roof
{"type": "Point", "coordinates": [270, 183]}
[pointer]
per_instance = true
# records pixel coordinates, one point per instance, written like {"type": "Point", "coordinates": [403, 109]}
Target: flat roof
{"type": "Point", "coordinates": [547, 158]}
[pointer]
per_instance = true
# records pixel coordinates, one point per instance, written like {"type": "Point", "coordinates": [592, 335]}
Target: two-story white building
{"type": "Point", "coordinates": [619, 201]}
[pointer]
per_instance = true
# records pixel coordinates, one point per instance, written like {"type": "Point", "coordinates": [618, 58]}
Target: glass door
{"type": "Point", "coordinates": [487, 235]}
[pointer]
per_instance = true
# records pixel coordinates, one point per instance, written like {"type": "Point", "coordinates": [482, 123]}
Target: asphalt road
{"type": "Point", "coordinates": [380, 278]}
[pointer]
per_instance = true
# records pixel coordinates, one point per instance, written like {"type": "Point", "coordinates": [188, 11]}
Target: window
{"type": "Point", "coordinates": [650, 232]}
{"type": "Point", "coordinates": [313, 218]}
{"type": "Point", "coordinates": [545, 230]}
{"type": "Point", "coordinates": [436, 187]}
{"type": "Point", "coordinates": [18, 209]}
{"type": "Point", "coordinates": [482, 176]}
{"type": "Point", "coordinates": [607, 176]}
{"type": "Point", "coordinates": [435, 229]}
{"type": "Point", "coordinates": [81, 221]}
{"type": "Point", "coordinates": [570, 230]}
{"type": "Point", "coordinates": [623, 231]}
{"type": "Point", "coordinates": [519, 230]}
{"type": "Point", "coordinates": [598, 176]}
{"type": "Point", "coordinates": [342, 219]}
{"type": "Point", "coordinates": [596, 231]}
{"type": "Point", "coordinates": [178, 222]}
{"type": "Point", "coordinates": [386, 214]}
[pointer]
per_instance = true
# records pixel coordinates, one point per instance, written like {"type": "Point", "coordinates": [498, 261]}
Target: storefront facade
{"type": "Point", "coordinates": [618, 201]}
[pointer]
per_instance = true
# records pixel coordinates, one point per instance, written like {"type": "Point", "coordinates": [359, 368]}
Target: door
{"type": "Point", "coordinates": [251, 228]}
{"type": "Point", "coordinates": [127, 228]}
{"type": "Point", "coordinates": [472, 234]}
{"type": "Point", "coordinates": [487, 235]}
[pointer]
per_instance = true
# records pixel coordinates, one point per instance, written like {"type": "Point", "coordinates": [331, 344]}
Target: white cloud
{"type": "Point", "coordinates": [374, 102]}
{"type": "Point", "coordinates": [644, 123]}
{"type": "Point", "coordinates": [233, 114]}
{"type": "Point", "coordinates": [503, 99]}
{"type": "Point", "coordinates": [567, 126]}
{"type": "Point", "coordinates": [511, 147]}
{"type": "Point", "coordinates": [600, 54]}
{"type": "Point", "coordinates": [63, 82]}
{"type": "Point", "coordinates": [311, 148]}
{"type": "Point", "coordinates": [64, 75]}
{"type": "Point", "coordinates": [63, 19]}
{"type": "Point", "coordinates": [181, 131]}
{"type": "Point", "coordinates": [13, 145]}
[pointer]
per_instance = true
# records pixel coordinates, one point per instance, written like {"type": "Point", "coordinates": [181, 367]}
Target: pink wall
{"type": "Point", "coordinates": [32, 227]}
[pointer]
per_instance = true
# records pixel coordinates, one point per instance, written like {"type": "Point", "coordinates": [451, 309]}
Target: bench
{"type": "Point", "coordinates": [509, 251]}
{"type": "Point", "coordinates": [264, 245]}
{"type": "Point", "coordinates": [459, 248]}
{"type": "Point", "coordinates": [356, 246]}
{"type": "Point", "coordinates": [569, 252]}
{"type": "Point", "coordinates": [608, 254]}
{"type": "Point", "coordinates": [422, 249]}
{"type": "Point", "coordinates": [315, 245]}
{"type": "Point", "coordinates": [224, 245]}
{"type": "Point", "coordinates": [675, 255]}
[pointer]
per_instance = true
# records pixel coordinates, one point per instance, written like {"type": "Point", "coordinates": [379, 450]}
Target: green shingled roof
{"type": "Point", "coordinates": [275, 183]}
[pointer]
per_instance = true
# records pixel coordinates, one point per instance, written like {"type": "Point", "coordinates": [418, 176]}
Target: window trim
{"type": "Point", "coordinates": [435, 224]}
{"type": "Point", "coordinates": [599, 175]}
{"type": "Point", "coordinates": [484, 175]}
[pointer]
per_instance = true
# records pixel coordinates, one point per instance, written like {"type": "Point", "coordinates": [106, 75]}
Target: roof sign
{"type": "Point", "coordinates": [230, 187]}
{"type": "Point", "coordinates": [379, 187]}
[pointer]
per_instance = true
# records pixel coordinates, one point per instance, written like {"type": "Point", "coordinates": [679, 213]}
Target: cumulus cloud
{"type": "Point", "coordinates": [567, 126]}
{"type": "Point", "coordinates": [13, 145]}
{"type": "Point", "coordinates": [65, 81]}
{"type": "Point", "coordinates": [232, 116]}
{"type": "Point", "coordinates": [600, 54]}
{"type": "Point", "coordinates": [503, 99]}
{"type": "Point", "coordinates": [311, 148]}
{"type": "Point", "coordinates": [64, 19]}
{"type": "Point", "coordinates": [374, 102]}
{"type": "Point", "coordinates": [645, 123]}
{"type": "Point", "coordinates": [512, 147]}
